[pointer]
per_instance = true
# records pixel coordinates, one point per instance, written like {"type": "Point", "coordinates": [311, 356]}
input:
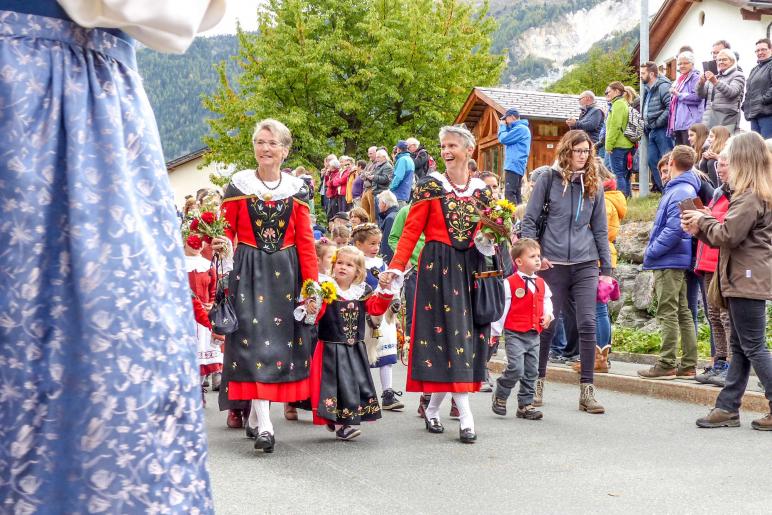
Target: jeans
{"type": "Point", "coordinates": [512, 187]}
{"type": "Point", "coordinates": [659, 145]}
{"type": "Point", "coordinates": [674, 319]}
{"type": "Point", "coordinates": [619, 167]}
{"type": "Point", "coordinates": [522, 365]}
{"type": "Point", "coordinates": [602, 325]}
{"type": "Point", "coordinates": [762, 125]}
{"type": "Point", "coordinates": [577, 282]}
{"type": "Point", "coordinates": [748, 317]}
{"type": "Point", "coordinates": [559, 338]}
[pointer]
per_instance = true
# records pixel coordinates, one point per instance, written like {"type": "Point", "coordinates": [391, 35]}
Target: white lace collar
{"type": "Point", "coordinates": [373, 262]}
{"type": "Point", "coordinates": [197, 264]}
{"type": "Point", "coordinates": [355, 292]}
{"type": "Point", "coordinates": [246, 181]}
{"type": "Point", "coordinates": [474, 185]}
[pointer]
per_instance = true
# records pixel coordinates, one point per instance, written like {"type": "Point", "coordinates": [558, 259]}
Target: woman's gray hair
{"type": "Point", "coordinates": [275, 127]}
{"type": "Point", "coordinates": [686, 56]}
{"type": "Point", "coordinates": [728, 53]}
{"type": "Point", "coordinates": [388, 198]}
{"type": "Point", "coordinates": [334, 163]}
{"type": "Point", "coordinates": [382, 152]}
{"type": "Point", "coordinates": [461, 131]}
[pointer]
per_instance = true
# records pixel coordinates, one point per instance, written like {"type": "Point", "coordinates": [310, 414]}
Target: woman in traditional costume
{"type": "Point", "coordinates": [268, 357]}
{"type": "Point", "coordinates": [448, 349]}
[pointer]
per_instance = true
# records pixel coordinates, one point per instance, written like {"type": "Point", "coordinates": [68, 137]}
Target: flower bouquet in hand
{"type": "Point", "coordinates": [313, 291]}
{"type": "Point", "coordinates": [497, 220]}
{"type": "Point", "coordinates": [209, 224]}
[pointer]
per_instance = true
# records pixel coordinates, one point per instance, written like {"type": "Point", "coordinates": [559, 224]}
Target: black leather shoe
{"type": "Point", "coordinates": [251, 433]}
{"type": "Point", "coordinates": [433, 425]}
{"type": "Point", "coordinates": [467, 435]}
{"type": "Point", "coordinates": [265, 441]}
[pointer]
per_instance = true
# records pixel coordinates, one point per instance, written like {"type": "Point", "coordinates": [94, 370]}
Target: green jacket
{"type": "Point", "coordinates": [615, 125]}
{"type": "Point", "coordinates": [396, 232]}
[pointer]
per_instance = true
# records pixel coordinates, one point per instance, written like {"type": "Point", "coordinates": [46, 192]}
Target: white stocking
{"type": "Point", "coordinates": [464, 410]}
{"type": "Point", "coordinates": [252, 420]}
{"type": "Point", "coordinates": [433, 409]}
{"type": "Point", "coordinates": [386, 374]}
{"type": "Point", "coordinates": [262, 408]}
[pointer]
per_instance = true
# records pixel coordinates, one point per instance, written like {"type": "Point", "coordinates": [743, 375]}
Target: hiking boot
{"type": "Point", "coordinates": [454, 414]}
{"type": "Point", "coordinates": [389, 400]}
{"type": "Point", "coordinates": [423, 402]}
{"type": "Point", "coordinates": [499, 405]}
{"type": "Point", "coordinates": [538, 396]}
{"type": "Point", "coordinates": [347, 433]}
{"type": "Point", "coordinates": [686, 372]}
{"type": "Point", "coordinates": [587, 400]}
{"type": "Point", "coordinates": [704, 377]}
{"type": "Point", "coordinates": [658, 372]}
{"type": "Point", "coordinates": [529, 413]}
{"type": "Point", "coordinates": [719, 418]}
{"type": "Point", "coordinates": [764, 423]}
{"type": "Point", "coordinates": [719, 377]}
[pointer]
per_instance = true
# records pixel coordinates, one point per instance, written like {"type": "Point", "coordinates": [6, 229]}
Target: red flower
{"type": "Point", "coordinates": [194, 242]}
{"type": "Point", "coordinates": [207, 239]}
{"type": "Point", "coordinates": [208, 217]}
{"type": "Point", "coordinates": [194, 224]}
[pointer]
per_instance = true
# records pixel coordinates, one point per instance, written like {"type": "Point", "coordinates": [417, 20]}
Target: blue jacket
{"type": "Point", "coordinates": [517, 141]}
{"type": "Point", "coordinates": [669, 246]}
{"type": "Point", "coordinates": [404, 169]}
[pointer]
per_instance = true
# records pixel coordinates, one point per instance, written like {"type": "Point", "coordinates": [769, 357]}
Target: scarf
{"type": "Point", "coordinates": [674, 103]}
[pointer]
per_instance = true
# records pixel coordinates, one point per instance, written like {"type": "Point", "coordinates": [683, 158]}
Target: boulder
{"type": "Point", "coordinates": [632, 240]}
{"type": "Point", "coordinates": [630, 316]}
{"type": "Point", "coordinates": [643, 290]}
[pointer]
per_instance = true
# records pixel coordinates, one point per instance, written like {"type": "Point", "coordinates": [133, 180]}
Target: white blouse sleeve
{"type": "Point", "coordinates": [163, 25]}
{"type": "Point", "coordinates": [484, 245]}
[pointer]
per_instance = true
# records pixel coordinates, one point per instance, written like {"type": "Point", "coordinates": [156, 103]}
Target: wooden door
{"type": "Point", "coordinates": [543, 152]}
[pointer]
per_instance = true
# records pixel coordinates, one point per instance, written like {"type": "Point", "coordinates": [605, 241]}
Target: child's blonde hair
{"type": "Point", "coordinates": [359, 260]}
{"type": "Point", "coordinates": [363, 232]}
{"type": "Point", "coordinates": [324, 247]}
{"type": "Point", "coordinates": [341, 231]}
{"type": "Point", "coordinates": [520, 211]}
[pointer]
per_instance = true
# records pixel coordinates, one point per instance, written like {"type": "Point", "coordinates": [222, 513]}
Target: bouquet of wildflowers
{"type": "Point", "coordinates": [312, 290]}
{"type": "Point", "coordinates": [497, 220]}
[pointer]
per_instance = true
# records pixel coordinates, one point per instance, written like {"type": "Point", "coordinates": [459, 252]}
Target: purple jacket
{"type": "Point", "coordinates": [686, 107]}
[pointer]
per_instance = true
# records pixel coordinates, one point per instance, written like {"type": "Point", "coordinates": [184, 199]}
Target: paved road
{"type": "Point", "coordinates": [644, 456]}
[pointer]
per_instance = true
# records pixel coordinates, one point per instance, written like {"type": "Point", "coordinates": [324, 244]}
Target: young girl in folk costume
{"type": "Point", "coordinates": [381, 332]}
{"type": "Point", "coordinates": [342, 389]}
{"type": "Point", "coordinates": [203, 281]}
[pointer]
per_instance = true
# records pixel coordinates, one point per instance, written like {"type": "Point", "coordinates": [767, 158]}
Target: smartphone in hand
{"type": "Point", "coordinates": [693, 204]}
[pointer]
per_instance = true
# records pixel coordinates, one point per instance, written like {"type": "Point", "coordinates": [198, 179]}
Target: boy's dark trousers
{"type": "Point", "coordinates": [522, 365]}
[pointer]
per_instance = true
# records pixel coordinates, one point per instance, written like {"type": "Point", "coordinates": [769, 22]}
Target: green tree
{"type": "Point", "coordinates": [600, 69]}
{"type": "Point", "coordinates": [346, 74]}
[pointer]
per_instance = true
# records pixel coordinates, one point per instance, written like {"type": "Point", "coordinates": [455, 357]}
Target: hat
{"type": "Point", "coordinates": [510, 112]}
{"type": "Point", "coordinates": [402, 144]}
{"type": "Point", "coordinates": [342, 215]}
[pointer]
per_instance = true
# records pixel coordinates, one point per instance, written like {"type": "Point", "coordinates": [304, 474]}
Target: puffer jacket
{"type": "Point", "coordinates": [707, 256]}
{"type": "Point", "coordinates": [758, 95]}
{"type": "Point", "coordinates": [669, 246]}
{"type": "Point", "coordinates": [745, 242]}
{"type": "Point", "coordinates": [656, 103]}
{"type": "Point", "coordinates": [724, 99]}
{"type": "Point", "coordinates": [616, 209]}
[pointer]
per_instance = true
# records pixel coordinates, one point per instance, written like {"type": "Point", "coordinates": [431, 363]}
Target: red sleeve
{"type": "Point", "coordinates": [320, 313]}
{"type": "Point", "coordinates": [414, 226]}
{"type": "Point", "coordinates": [304, 242]}
{"type": "Point", "coordinates": [230, 211]}
{"type": "Point", "coordinates": [212, 284]}
{"type": "Point", "coordinates": [377, 303]}
{"type": "Point", "coordinates": [344, 177]}
{"type": "Point", "coordinates": [200, 314]}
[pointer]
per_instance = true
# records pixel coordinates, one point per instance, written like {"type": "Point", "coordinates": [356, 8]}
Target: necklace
{"type": "Point", "coordinates": [268, 196]}
{"type": "Point", "coordinates": [457, 188]}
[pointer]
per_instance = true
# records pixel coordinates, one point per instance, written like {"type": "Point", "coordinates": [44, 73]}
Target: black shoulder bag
{"type": "Point", "coordinates": [541, 222]}
{"type": "Point", "coordinates": [488, 292]}
{"type": "Point", "coordinates": [222, 315]}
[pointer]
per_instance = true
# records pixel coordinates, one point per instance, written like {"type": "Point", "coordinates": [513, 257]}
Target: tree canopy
{"type": "Point", "coordinates": [598, 71]}
{"type": "Point", "coordinates": [347, 74]}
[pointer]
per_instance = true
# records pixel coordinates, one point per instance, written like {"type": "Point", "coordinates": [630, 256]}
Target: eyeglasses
{"type": "Point", "coordinates": [608, 92]}
{"type": "Point", "coordinates": [273, 145]}
{"type": "Point", "coordinates": [581, 151]}
{"type": "Point", "coordinates": [762, 50]}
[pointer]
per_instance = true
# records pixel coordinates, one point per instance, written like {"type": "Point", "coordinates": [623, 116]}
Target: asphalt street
{"type": "Point", "coordinates": [644, 455]}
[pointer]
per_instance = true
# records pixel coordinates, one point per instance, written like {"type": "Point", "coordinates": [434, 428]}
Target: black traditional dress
{"type": "Point", "coordinates": [269, 356]}
{"type": "Point", "coordinates": [447, 350]}
{"type": "Point", "coordinates": [342, 387]}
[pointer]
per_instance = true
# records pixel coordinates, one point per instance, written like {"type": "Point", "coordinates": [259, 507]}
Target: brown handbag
{"type": "Point", "coordinates": [714, 291]}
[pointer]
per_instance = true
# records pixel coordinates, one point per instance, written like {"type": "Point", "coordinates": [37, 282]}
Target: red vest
{"type": "Point", "coordinates": [525, 313]}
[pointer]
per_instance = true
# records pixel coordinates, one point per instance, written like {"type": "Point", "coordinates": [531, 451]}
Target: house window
{"type": "Point", "coordinates": [547, 130]}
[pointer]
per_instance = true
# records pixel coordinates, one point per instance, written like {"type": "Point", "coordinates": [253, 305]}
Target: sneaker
{"type": "Point", "coordinates": [486, 387]}
{"type": "Point", "coordinates": [389, 400]}
{"type": "Point", "coordinates": [454, 414]}
{"type": "Point", "coordinates": [704, 377]}
{"type": "Point", "coordinates": [657, 372]}
{"type": "Point", "coordinates": [499, 405]}
{"type": "Point", "coordinates": [538, 396]}
{"type": "Point", "coordinates": [423, 402]}
{"type": "Point", "coordinates": [557, 358]}
{"type": "Point", "coordinates": [719, 377]}
{"type": "Point", "coordinates": [686, 372]}
{"type": "Point", "coordinates": [719, 418]}
{"type": "Point", "coordinates": [347, 433]}
{"type": "Point", "coordinates": [572, 359]}
{"type": "Point", "coordinates": [529, 413]}
{"type": "Point", "coordinates": [763, 424]}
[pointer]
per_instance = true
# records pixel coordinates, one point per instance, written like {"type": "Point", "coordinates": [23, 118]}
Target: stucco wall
{"type": "Point", "coordinates": [186, 179]}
